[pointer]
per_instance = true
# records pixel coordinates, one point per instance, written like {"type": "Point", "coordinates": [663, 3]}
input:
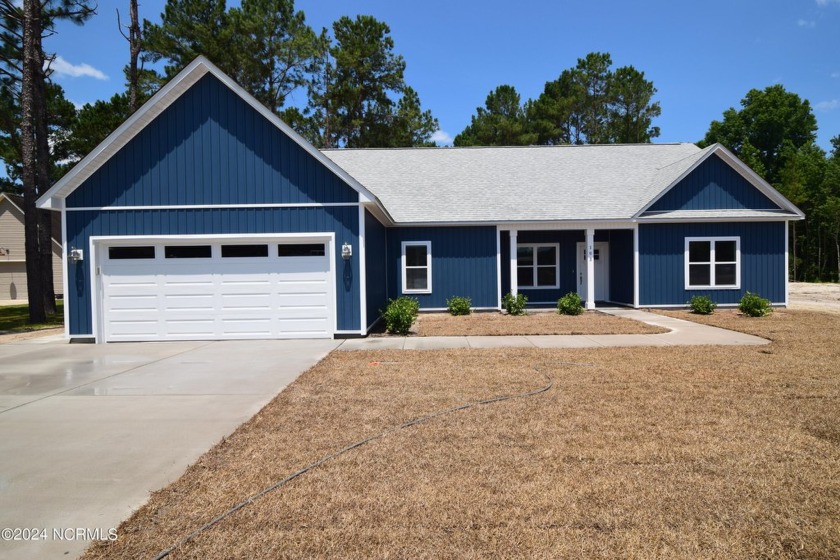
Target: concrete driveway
{"type": "Point", "coordinates": [88, 431]}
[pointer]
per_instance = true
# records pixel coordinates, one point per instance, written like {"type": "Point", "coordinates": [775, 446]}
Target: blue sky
{"type": "Point", "coordinates": [702, 57]}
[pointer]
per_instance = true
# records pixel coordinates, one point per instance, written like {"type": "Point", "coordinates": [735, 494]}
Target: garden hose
{"type": "Point", "coordinates": [360, 443]}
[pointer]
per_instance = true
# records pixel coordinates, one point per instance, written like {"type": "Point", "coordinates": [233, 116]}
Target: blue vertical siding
{"type": "Point", "coordinates": [210, 147]}
{"type": "Point", "coordinates": [344, 221]}
{"type": "Point", "coordinates": [714, 185]}
{"type": "Point", "coordinates": [463, 263]}
{"type": "Point", "coordinates": [376, 247]}
{"type": "Point", "coordinates": [662, 261]}
{"type": "Point", "coordinates": [620, 269]}
{"type": "Point", "coordinates": [621, 265]}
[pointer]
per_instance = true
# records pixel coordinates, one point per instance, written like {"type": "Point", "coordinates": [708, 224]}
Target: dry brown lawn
{"type": "Point", "coordinates": [534, 323]}
{"type": "Point", "coordinates": [683, 452]}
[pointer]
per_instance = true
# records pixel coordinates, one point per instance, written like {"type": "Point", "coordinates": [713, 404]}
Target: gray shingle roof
{"type": "Point", "coordinates": [504, 184]}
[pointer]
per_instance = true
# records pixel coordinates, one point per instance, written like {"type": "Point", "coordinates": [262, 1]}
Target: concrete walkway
{"type": "Point", "coordinates": [682, 333]}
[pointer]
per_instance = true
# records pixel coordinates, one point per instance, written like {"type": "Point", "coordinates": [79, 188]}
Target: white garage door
{"type": "Point", "coordinates": [216, 290]}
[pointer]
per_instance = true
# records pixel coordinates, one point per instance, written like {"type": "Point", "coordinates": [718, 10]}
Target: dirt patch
{"type": "Point", "coordinates": [678, 452]}
{"type": "Point", "coordinates": [815, 297]}
{"type": "Point", "coordinates": [534, 323]}
{"type": "Point", "coordinates": [19, 336]}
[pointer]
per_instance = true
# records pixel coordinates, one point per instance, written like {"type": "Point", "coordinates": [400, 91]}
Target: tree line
{"type": "Point", "coordinates": [587, 104]}
{"type": "Point", "coordinates": [356, 95]}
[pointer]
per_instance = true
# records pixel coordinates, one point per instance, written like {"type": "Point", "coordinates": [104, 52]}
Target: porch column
{"type": "Point", "coordinates": [590, 268]}
{"type": "Point", "coordinates": [514, 280]}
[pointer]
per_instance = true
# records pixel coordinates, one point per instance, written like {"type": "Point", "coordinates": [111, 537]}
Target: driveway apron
{"type": "Point", "coordinates": [87, 431]}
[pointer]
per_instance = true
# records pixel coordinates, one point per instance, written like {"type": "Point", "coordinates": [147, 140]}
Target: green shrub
{"type": "Point", "coordinates": [515, 304]}
{"type": "Point", "coordinates": [702, 305]}
{"type": "Point", "coordinates": [459, 305]}
{"type": "Point", "coordinates": [400, 314]}
{"type": "Point", "coordinates": [570, 304]}
{"type": "Point", "coordinates": [754, 305]}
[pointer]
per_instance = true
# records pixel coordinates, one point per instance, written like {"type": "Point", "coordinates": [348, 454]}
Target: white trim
{"type": "Point", "coordinates": [65, 273]}
{"type": "Point", "coordinates": [514, 262]}
{"type": "Point", "coordinates": [362, 271]}
{"type": "Point", "coordinates": [712, 262]}
{"type": "Point", "coordinates": [741, 168]}
{"type": "Point", "coordinates": [590, 268]}
{"type": "Point", "coordinates": [535, 266]}
{"type": "Point", "coordinates": [499, 267]}
{"type": "Point", "coordinates": [787, 264]}
{"type": "Point", "coordinates": [211, 206]}
{"type": "Point", "coordinates": [700, 219]}
{"type": "Point", "coordinates": [359, 332]}
{"type": "Point", "coordinates": [428, 267]}
{"type": "Point", "coordinates": [636, 266]}
{"type": "Point", "coordinates": [96, 243]}
{"type": "Point", "coordinates": [685, 305]}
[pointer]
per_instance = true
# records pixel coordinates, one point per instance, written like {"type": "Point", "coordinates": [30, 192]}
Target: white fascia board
{"type": "Point", "coordinates": [159, 102]}
{"type": "Point", "coordinates": [780, 218]}
{"type": "Point", "coordinates": [741, 168]}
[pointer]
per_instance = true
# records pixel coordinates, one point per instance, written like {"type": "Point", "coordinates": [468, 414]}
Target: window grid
{"type": "Point", "coordinates": [417, 274]}
{"type": "Point", "coordinates": [711, 272]}
{"type": "Point", "coordinates": [549, 279]}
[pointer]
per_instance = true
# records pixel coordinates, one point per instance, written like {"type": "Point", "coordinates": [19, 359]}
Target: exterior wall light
{"type": "Point", "coordinates": [76, 255]}
{"type": "Point", "coordinates": [346, 251]}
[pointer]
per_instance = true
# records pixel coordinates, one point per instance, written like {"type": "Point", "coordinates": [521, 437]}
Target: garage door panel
{"type": "Point", "coordinates": [217, 298]}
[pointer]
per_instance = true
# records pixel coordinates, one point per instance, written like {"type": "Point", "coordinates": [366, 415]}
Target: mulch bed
{"type": "Point", "coordinates": [534, 323]}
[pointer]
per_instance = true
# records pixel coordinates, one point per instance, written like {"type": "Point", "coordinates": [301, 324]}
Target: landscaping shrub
{"type": "Point", "coordinates": [570, 304]}
{"type": "Point", "coordinates": [515, 304]}
{"type": "Point", "coordinates": [702, 305]}
{"type": "Point", "coordinates": [754, 305]}
{"type": "Point", "coordinates": [459, 305]}
{"type": "Point", "coordinates": [400, 314]}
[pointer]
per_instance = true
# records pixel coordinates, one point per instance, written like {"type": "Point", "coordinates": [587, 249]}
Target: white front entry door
{"type": "Point", "coordinates": [602, 271]}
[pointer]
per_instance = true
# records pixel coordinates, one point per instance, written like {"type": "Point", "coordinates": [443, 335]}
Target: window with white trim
{"type": "Point", "coordinates": [537, 265]}
{"type": "Point", "coordinates": [712, 263]}
{"type": "Point", "coordinates": [417, 267]}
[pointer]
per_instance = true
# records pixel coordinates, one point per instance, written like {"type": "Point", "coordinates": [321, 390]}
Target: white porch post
{"type": "Point", "coordinates": [636, 266]}
{"type": "Point", "coordinates": [514, 281]}
{"type": "Point", "coordinates": [590, 268]}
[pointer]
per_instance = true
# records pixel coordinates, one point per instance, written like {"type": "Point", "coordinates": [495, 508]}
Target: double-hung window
{"type": "Point", "coordinates": [417, 267]}
{"type": "Point", "coordinates": [712, 263]}
{"type": "Point", "coordinates": [537, 265]}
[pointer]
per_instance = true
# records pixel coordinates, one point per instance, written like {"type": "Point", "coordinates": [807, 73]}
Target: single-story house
{"type": "Point", "coordinates": [204, 216]}
{"type": "Point", "coordinates": [13, 249]}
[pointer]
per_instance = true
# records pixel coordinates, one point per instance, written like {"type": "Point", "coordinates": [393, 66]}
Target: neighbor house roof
{"type": "Point", "coordinates": [534, 183]}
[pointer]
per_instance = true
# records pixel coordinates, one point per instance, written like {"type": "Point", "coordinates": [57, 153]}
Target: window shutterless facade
{"type": "Point", "coordinates": [416, 267]}
{"type": "Point", "coordinates": [537, 265]}
{"type": "Point", "coordinates": [712, 263]}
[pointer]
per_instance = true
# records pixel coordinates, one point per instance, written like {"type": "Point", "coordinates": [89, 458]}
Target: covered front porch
{"type": "Point", "coordinates": [548, 261]}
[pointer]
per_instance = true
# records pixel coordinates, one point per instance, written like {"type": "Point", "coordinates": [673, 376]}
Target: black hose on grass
{"type": "Point", "coordinates": [322, 460]}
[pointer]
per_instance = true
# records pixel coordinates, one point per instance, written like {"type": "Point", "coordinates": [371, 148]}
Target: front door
{"type": "Point", "coordinates": [602, 270]}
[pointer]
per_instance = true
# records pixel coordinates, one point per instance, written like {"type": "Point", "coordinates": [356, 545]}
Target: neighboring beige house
{"type": "Point", "coordinates": [13, 254]}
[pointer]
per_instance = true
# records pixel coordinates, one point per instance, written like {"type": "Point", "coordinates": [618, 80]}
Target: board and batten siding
{"type": "Point", "coordinates": [662, 261]}
{"type": "Point", "coordinates": [210, 147]}
{"type": "Point", "coordinates": [620, 267]}
{"type": "Point", "coordinates": [343, 220]}
{"type": "Point", "coordinates": [463, 264]}
{"type": "Point", "coordinates": [713, 185]}
{"type": "Point", "coordinates": [376, 247]}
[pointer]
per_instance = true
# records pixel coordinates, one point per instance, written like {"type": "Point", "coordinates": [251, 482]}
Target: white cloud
{"type": "Point", "coordinates": [441, 137]}
{"type": "Point", "coordinates": [63, 68]}
{"type": "Point", "coordinates": [827, 2]}
{"type": "Point", "coordinates": [806, 23]}
{"type": "Point", "coordinates": [827, 105]}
